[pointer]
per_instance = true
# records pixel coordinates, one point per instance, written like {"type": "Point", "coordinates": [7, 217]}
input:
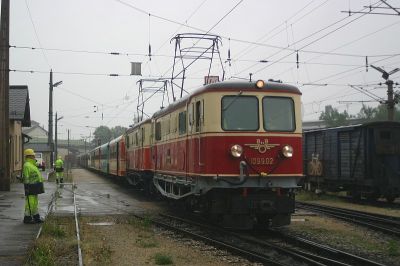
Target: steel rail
{"type": "Point", "coordinates": [374, 223]}
{"type": "Point", "coordinates": [49, 210]}
{"type": "Point", "coordinates": [77, 227]}
{"type": "Point", "coordinates": [334, 252]}
{"type": "Point", "coordinates": [251, 255]}
{"type": "Point", "coordinates": [391, 220]}
{"type": "Point", "coordinates": [306, 257]}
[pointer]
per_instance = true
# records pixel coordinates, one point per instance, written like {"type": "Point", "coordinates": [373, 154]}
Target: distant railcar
{"type": "Point", "coordinates": [117, 157]}
{"type": "Point", "coordinates": [362, 159]}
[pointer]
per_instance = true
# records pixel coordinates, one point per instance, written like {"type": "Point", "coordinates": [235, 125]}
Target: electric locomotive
{"type": "Point", "coordinates": [229, 150]}
{"type": "Point", "coordinates": [232, 150]}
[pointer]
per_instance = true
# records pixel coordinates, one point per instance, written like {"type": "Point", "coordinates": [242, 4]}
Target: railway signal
{"type": "Point", "coordinates": [390, 101]}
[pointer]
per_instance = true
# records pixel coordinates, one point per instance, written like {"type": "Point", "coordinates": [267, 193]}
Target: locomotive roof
{"type": "Point", "coordinates": [129, 130]}
{"type": "Point", "coordinates": [228, 86]}
{"type": "Point", "coordinates": [367, 124]}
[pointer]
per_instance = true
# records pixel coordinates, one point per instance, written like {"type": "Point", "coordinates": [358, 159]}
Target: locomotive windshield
{"type": "Point", "coordinates": [239, 113]}
{"type": "Point", "coordinates": [278, 114]}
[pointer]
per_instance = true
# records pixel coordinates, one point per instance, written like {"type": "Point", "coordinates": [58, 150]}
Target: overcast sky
{"type": "Point", "coordinates": [78, 35]}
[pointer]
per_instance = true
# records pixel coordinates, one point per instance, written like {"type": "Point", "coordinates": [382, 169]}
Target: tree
{"type": "Point", "coordinates": [102, 134]}
{"type": "Point", "coordinates": [378, 113]}
{"type": "Point", "coordinates": [367, 112]}
{"type": "Point", "coordinates": [333, 118]}
{"type": "Point", "coordinates": [117, 131]}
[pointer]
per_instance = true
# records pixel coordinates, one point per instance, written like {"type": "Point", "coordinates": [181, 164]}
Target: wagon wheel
{"type": "Point", "coordinates": [355, 195]}
{"type": "Point", "coordinates": [373, 196]}
{"type": "Point", "coordinates": [390, 198]}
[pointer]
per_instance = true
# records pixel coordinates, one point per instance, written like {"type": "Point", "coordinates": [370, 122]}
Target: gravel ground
{"type": "Point", "coordinates": [128, 241]}
{"type": "Point", "coordinates": [348, 237]}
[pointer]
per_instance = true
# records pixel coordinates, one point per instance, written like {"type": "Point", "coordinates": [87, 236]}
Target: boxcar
{"type": "Point", "coordinates": [361, 159]}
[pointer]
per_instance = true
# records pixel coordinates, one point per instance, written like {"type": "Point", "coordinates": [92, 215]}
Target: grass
{"type": "Point", "coordinates": [393, 248]}
{"type": "Point", "coordinates": [146, 243]}
{"type": "Point", "coordinates": [51, 228]}
{"type": "Point", "coordinates": [144, 224]}
{"type": "Point", "coordinates": [162, 259]}
{"type": "Point", "coordinates": [303, 195]}
{"type": "Point", "coordinates": [56, 243]}
{"type": "Point", "coordinates": [41, 254]}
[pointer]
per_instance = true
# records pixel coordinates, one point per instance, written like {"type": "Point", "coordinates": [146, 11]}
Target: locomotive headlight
{"type": "Point", "coordinates": [236, 151]}
{"type": "Point", "coordinates": [259, 84]}
{"type": "Point", "coordinates": [287, 151]}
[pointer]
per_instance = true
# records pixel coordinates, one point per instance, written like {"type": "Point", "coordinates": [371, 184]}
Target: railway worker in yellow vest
{"type": "Point", "coordinates": [33, 183]}
{"type": "Point", "coordinates": [59, 167]}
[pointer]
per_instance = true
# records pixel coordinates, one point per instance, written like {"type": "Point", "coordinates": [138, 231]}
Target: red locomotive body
{"type": "Point", "coordinates": [139, 163]}
{"type": "Point", "coordinates": [227, 140]}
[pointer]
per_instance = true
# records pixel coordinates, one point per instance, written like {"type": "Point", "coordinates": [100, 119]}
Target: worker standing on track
{"type": "Point", "coordinates": [59, 167]}
{"type": "Point", "coordinates": [33, 183]}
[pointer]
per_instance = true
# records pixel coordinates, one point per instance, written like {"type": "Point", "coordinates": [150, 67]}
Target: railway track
{"type": "Point", "coordinates": [386, 224]}
{"type": "Point", "coordinates": [271, 247]}
{"type": "Point", "coordinates": [70, 194]}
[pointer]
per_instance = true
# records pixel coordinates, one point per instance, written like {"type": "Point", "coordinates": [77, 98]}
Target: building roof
{"type": "Point", "coordinates": [37, 147]}
{"type": "Point", "coordinates": [19, 108]}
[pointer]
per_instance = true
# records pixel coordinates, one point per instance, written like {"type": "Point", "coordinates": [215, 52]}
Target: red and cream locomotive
{"type": "Point", "coordinates": [231, 150]}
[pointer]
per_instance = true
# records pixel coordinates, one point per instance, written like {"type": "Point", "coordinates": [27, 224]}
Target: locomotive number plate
{"type": "Point", "coordinates": [261, 161]}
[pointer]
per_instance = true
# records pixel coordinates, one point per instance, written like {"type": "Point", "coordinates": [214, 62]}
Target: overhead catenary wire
{"type": "Point", "coordinates": [36, 33]}
{"type": "Point", "coordinates": [312, 42]}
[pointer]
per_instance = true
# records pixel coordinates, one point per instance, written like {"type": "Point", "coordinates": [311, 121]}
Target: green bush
{"type": "Point", "coordinates": [162, 259]}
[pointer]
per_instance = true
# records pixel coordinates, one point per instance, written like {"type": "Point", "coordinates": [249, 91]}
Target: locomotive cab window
{"type": "Point", "coordinates": [278, 114]}
{"type": "Point", "coordinates": [239, 113]}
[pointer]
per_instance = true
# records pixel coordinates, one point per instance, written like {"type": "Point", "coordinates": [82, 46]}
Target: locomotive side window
{"type": "Point", "coordinates": [182, 122]}
{"type": "Point", "coordinates": [199, 114]}
{"type": "Point", "coordinates": [239, 113]}
{"type": "Point", "coordinates": [158, 131]}
{"type": "Point", "coordinates": [278, 114]}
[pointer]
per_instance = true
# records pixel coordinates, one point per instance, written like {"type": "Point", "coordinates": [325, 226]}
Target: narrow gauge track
{"type": "Point", "coordinates": [368, 202]}
{"type": "Point", "coordinates": [280, 250]}
{"type": "Point", "coordinates": [50, 209]}
{"type": "Point", "coordinates": [386, 224]}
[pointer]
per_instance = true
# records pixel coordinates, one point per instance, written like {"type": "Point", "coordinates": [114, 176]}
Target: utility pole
{"type": "Point", "coordinates": [390, 101]}
{"type": "Point", "coordinates": [50, 133]}
{"type": "Point", "coordinates": [55, 140]}
{"type": "Point", "coordinates": [69, 159]}
{"type": "Point", "coordinates": [4, 96]}
{"type": "Point", "coordinates": [56, 137]}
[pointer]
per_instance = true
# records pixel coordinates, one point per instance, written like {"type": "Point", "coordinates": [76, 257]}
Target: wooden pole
{"type": "Point", "coordinates": [4, 97]}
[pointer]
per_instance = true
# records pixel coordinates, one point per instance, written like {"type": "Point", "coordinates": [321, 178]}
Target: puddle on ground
{"type": "Point", "coordinates": [101, 224]}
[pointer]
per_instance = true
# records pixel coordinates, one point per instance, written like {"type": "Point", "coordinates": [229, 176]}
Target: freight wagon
{"type": "Point", "coordinates": [361, 159]}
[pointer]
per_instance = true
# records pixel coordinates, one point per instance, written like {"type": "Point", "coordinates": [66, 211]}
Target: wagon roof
{"type": "Point", "coordinates": [367, 124]}
{"type": "Point", "coordinates": [229, 85]}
